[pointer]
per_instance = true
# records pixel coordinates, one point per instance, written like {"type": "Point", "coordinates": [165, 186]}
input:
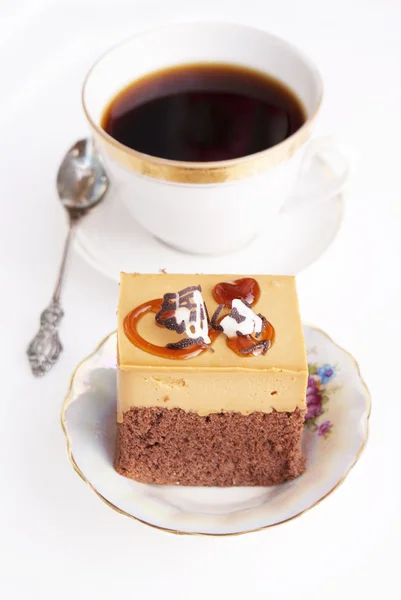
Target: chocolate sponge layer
{"type": "Point", "coordinates": [172, 446]}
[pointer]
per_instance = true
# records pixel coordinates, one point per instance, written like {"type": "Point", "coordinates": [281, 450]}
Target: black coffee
{"type": "Point", "coordinates": [203, 112]}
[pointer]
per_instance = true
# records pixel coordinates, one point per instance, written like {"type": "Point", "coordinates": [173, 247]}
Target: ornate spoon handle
{"type": "Point", "coordinates": [45, 348]}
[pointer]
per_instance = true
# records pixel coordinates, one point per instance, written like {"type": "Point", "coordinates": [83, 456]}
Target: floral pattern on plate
{"type": "Point", "coordinates": [317, 396]}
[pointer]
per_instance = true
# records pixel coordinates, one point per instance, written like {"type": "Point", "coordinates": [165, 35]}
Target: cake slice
{"type": "Point", "coordinates": [212, 377]}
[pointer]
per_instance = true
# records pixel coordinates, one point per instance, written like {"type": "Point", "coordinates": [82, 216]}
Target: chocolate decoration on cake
{"type": "Point", "coordinates": [185, 312]}
{"type": "Point", "coordinates": [214, 321]}
{"type": "Point", "coordinates": [242, 325]}
{"type": "Point", "coordinates": [265, 323]}
{"type": "Point", "coordinates": [248, 333]}
{"type": "Point", "coordinates": [247, 345]}
{"type": "Point", "coordinates": [187, 342]}
{"type": "Point", "coordinates": [241, 318]}
{"type": "Point", "coordinates": [186, 348]}
{"type": "Point", "coordinates": [238, 318]}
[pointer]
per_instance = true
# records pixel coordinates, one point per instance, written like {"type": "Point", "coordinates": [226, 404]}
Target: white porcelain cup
{"type": "Point", "coordinates": [214, 207]}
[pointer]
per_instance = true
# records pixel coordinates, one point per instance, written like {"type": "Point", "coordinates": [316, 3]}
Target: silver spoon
{"type": "Point", "coordinates": [81, 184]}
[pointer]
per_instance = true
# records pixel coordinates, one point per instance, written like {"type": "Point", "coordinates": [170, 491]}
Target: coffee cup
{"type": "Point", "coordinates": [217, 206]}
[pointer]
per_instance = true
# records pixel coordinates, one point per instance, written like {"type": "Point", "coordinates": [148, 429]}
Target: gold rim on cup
{"type": "Point", "coordinates": [206, 172]}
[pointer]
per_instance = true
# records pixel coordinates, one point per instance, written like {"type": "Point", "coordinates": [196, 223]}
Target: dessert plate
{"type": "Point", "coordinates": [335, 434]}
{"type": "Point", "coordinates": [111, 241]}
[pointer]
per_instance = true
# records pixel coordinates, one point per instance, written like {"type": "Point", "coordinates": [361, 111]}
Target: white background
{"type": "Point", "coordinates": [57, 539]}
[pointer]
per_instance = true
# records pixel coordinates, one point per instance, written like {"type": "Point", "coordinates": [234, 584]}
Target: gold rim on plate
{"type": "Point", "coordinates": [178, 532]}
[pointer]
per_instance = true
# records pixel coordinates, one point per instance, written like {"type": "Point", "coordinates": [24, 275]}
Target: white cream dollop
{"type": "Point", "coordinates": [199, 326]}
{"type": "Point", "coordinates": [241, 319]}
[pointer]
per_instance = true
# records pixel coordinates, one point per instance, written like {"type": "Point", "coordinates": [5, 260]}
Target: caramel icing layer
{"type": "Point", "coordinates": [212, 381]}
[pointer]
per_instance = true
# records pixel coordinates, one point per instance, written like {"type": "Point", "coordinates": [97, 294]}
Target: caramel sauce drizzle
{"type": "Point", "coordinates": [243, 345]}
{"type": "Point", "coordinates": [131, 331]}
{"type": "Point", "coordinates": [224, 293]}
{"type": "Point", "coordinates": [247, 288]}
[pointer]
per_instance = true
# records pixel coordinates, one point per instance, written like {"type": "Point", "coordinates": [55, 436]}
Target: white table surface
{"type": "Point", "coordinates": [57, 539]}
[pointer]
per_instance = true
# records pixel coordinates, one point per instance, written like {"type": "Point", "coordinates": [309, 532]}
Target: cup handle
{"type": "Point", "coordinates": [333, 163]}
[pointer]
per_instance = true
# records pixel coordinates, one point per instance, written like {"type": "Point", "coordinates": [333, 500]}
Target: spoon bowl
{"type": "Point", "coordinates": [81, 179]}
